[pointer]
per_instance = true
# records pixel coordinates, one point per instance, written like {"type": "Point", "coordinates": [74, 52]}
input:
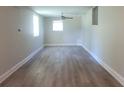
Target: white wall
{"type": "Point", "coordinates": [14, 45]}
{"type": "Point", "coordinates": [106, 40]}
{"type": "Point", "coordinates": [70, 34]}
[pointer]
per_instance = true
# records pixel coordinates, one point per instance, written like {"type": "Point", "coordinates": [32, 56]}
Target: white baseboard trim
{"type": "Point", "coordinates": [117, 76]}
{"type": "Point", "coordinates": [61, 44]}
{"type": "Point", "coordinates": [102, 63]}
{"type": "Point", "coordinates": [17, 66]}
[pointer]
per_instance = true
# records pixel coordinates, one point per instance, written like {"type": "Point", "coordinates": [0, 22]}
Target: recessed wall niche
{"type": "Point", "coordinates": [95, 15]}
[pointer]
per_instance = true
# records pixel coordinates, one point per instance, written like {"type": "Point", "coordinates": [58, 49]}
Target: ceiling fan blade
{"type": "Point", "coordinates": [64, 17]}
{"type": "Point", "coordinates": [68, 17]}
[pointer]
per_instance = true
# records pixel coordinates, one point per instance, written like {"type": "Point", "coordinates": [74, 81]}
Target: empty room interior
{"type": "Point", "coordinates": [61, 46]}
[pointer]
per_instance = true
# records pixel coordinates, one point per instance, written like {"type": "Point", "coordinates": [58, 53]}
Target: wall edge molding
{"type": "Point", "coordinates": [116, 75]}
{"type": "Point", "coordinates": [9, 72]}
{"type": "Point", "coordinates": [62, 44]}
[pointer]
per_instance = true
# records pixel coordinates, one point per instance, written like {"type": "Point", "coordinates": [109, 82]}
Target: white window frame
{"type": "Point", "coordinates": [58, 25]}
{"type": "Point", "coordinates": [36, 25]}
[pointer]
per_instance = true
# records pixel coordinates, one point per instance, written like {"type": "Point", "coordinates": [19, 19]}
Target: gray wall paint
{"type": "Point", "coordinates": [14, 45]}
{"type": "Point", "coordinates": [70, 34]}
{"type": "Point", "coordinates": [106, 39]}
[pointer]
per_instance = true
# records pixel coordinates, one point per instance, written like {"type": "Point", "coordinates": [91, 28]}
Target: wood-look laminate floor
{"type": "Point", "coordinates": [61, 67]}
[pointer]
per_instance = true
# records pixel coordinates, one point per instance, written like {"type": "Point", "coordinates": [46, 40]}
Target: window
{"type": "Point", "coordinates": [58, 25]}
{"type": "Point", "coordinates": [35, 25]}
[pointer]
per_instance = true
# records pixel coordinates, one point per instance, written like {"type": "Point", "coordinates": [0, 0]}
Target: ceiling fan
{"type": "Point", "coordinates": [65, 17]}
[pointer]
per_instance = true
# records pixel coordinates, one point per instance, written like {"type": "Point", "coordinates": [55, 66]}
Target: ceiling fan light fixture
{"type": "Point", "coordinates": [64, 17]}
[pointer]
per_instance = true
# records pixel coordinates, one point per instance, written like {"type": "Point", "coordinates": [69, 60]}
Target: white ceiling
{"type": "Point", "coordinates": [54, 11]}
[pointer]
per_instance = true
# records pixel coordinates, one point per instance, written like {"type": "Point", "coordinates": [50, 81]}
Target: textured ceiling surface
{"type": "Point", "coordinates": [54, 11]}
